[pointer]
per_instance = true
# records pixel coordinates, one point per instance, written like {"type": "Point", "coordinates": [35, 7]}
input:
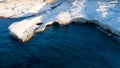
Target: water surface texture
{"type": "Point", "coordinates": [71, 46]}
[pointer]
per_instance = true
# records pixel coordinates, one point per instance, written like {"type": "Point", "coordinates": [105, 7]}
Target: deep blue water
{"type": "Point", "coordinates": [72, 46]}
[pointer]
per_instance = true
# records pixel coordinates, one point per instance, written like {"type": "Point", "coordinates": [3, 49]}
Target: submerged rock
{"type": "Point", "coordinates": [102, 13]}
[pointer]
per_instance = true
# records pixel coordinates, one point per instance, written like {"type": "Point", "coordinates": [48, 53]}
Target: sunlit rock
{"type": "Point", "coordinates": [20, 8]}
{"type": "Point", "coordinates": [102, 13]}
{"type": "Point", "coordinates": [24, 30]}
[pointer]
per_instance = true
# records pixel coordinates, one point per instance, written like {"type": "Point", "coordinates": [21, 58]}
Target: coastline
{"type": "Point", "coordinates": [104, 14]}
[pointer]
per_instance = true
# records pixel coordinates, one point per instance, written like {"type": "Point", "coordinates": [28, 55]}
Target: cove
{"type": "Point", "coordinates": [70, 46]}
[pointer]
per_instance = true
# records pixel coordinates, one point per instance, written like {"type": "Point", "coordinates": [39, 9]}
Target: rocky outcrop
{"type": "Point", "coordinates": [24, 30]}
{"type": "Point", "coordinates": [20, 8]}
{"type": "Point", "coordinates": [102, 13]}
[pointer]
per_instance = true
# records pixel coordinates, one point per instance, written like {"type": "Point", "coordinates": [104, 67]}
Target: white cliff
{"type": "Point", "coordinates": [102, 13]}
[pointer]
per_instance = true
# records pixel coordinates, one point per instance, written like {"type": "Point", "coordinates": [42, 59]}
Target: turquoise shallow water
{"type": "Point", "coordinates": [72, 46]}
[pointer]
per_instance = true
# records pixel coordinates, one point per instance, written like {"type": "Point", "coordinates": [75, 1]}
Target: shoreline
{"type": "Point", "coordinates": [105, 30]}
{"type": "Point", "coordinates": [104, 14]}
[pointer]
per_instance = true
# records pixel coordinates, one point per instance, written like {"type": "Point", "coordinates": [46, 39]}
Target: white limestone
{"type": "Point", "coordinates": [20, 8]}
{"type": "Point", "coordinates": [24, 30]}
{"type": "Point", "coordinates": [106, 12]}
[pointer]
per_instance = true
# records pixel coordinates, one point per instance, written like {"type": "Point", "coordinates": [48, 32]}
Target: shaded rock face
{"type": "Point", "coordinates": [2, 0]}
{"type": "Point", "coordinates": [99, 12]}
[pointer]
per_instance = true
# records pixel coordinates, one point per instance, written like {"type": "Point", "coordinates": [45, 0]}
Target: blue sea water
{"type": "Point", "coordinates": [71, 46]}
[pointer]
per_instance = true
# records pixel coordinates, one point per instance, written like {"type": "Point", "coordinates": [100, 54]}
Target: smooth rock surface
{"type": "Point", "coordinates": [63, 12]}
{"type": "Point", "coordinates": [24, 30]}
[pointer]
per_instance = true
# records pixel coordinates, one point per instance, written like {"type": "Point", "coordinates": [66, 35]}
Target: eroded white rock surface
{"type": "Point", "coordinates": [64, 12]}
{"type": "Point", "coordinates": [20, 8]}
{"type": "Point", "coordinates": [24, 30]}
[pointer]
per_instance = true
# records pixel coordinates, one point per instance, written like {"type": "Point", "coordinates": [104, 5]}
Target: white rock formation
{"type": "Point", "coordinates": [24, 30]}
{"type": "Point", "coordinates": [20, 8]}
{"type": "Point", "coordinates": [64, 12]}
